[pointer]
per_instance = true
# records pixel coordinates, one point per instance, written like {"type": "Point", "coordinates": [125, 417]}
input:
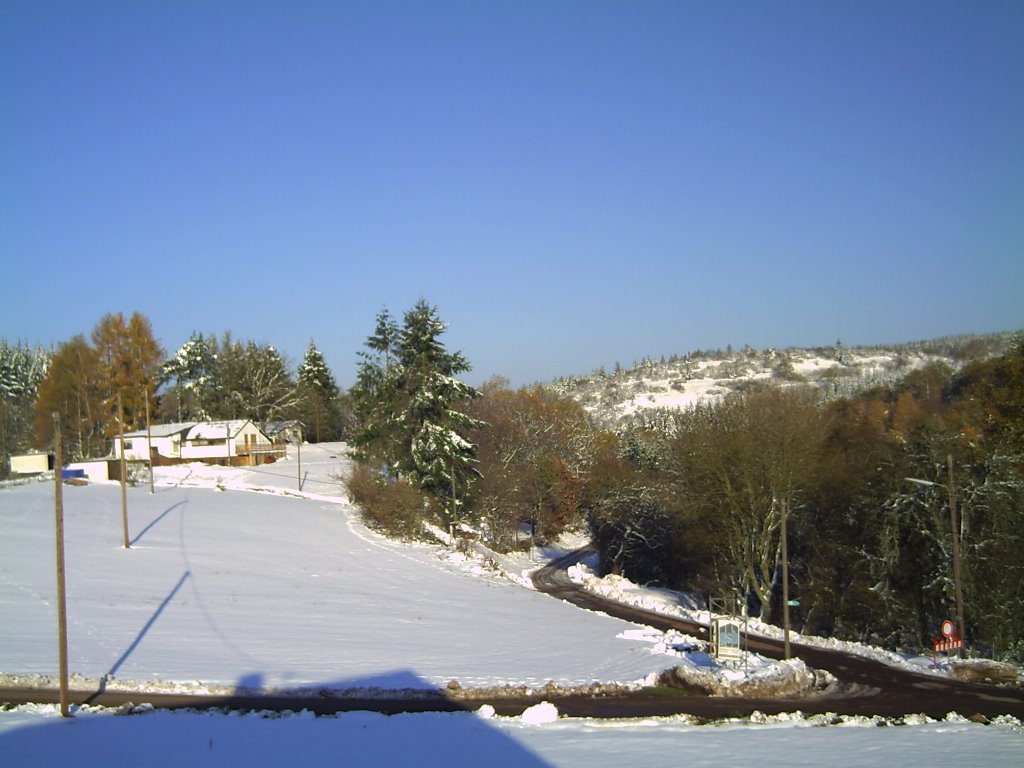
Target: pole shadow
{"type": "Point", "coordinates": [156, 520]}
{"type": "Point", "coordinates": [149, 624]}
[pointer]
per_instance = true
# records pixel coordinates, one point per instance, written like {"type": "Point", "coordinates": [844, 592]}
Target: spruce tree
{"type": "Point", "coordinates": [193, 369]}
{"type": "Point", "coordinates": [405, 395]}
{"type": "Point", "coordinates": [21, 370]}
{"type": "Point", "coordinates": [374, 399]}
{"type": "Point", "coordinates": [434, 449]}
{"type": "Point", "coordinates": [318, 392]}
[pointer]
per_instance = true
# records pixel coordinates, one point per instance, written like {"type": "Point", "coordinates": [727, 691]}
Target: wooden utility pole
{"type": "Point", "coordinates": [957, 582]}
{"type": "Point", "coordinates": [785, 583]}
{"type": "Point", "coordinates": [62, 606]}
{"type": "Point", "coordinates": [149, 438]}
{"type": "Point", "coordinates": [124, 475]}
{"type": "Point", "coordinates": [455, 498]}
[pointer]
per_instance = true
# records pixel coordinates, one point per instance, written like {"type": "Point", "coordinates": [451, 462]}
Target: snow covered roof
{"type": "Point", "coordinates": [163, 430]}
{"type": "Point", "coordinates": [216, 430]}
{"type": "Point", "coordinates": [273, 427]}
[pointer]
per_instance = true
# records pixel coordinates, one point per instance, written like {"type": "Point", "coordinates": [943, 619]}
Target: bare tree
{"type": "Point", "coordinates": [744, 462]}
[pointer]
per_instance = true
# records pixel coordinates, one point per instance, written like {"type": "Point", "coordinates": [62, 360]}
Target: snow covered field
{"type": "Point", "coordinates": [467, 739]}
{"type": "Point", "coordinates": [237, 588]}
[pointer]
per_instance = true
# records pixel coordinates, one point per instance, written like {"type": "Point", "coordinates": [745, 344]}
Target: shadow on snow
{"type": "Point", "coordinates": [429, 729]}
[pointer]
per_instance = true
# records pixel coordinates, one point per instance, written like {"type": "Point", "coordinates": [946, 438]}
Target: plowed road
{"type": "Point", "coordinates": [868, 687]}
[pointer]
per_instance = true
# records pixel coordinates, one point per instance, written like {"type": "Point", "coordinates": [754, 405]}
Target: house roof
{"type": "Point", "coordinates": [163, 430]}
{"type": "Point", "coordinates": [273, 427]}
{"type": "Point", "coordinates": [216, 430]}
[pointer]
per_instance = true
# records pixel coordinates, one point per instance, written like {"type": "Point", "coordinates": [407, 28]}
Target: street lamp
{"type": "Point", "coordinates": [955, 530]}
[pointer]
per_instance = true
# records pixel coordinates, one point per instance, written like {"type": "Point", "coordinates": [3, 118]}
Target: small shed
{"type": "Point", "coordinates": [97, 469]}
{"type": "Point", "coordinates": [31, 463]}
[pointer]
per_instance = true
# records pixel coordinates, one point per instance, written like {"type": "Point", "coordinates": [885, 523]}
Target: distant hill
{"type": "Point", "coordinates": [840, 371]}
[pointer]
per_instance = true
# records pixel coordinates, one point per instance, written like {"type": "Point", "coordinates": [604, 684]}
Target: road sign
{"type": "Point", "coordinates": [725, 638]}
{"type": "Point", "coordinates": [947, 642]}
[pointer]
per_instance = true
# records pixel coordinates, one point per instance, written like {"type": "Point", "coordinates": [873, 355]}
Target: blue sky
{"type": "Point", "coordinates": [571, 183]}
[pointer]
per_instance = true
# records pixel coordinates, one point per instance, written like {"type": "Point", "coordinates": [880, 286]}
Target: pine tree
{"type": "Point", "coordinates": [385, 336]}
{"type": "Point", "coordinates": [404, 396]}
{"type": "Point", "coordinates": [318, 393]}
{"type": "Point", "coordinates": [375, 399]}
{"type": "Point", "coordinates": [194, 371]}
{"type": "Point", "coordinates": [21, 369]}
{"type": "Point", "coordinates": [434, 450]}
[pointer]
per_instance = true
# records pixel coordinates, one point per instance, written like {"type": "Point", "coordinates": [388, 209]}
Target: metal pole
{"type": "Point", "coordinates": [955, 529]}
{"type": "Point", "coordinates": [785, 584]}
{"type": "Point", "coordinates": [124, 476]}
{"type": "Point", "coordinates": [149, 439]}
{"type": "Point", "coordinates": [62, 606]}
{"type": "Point", "coordinates": [298, 448]}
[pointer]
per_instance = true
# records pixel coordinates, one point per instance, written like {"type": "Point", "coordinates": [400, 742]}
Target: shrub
{"type": "Point", "coordinates": [394, 507]}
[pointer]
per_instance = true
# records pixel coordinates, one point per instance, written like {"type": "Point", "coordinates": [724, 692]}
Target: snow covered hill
{"type": "Point", "coordinates": [237, 579]}
{"type": "Point", "coordinates": [266, 590]}
{"type": "Point", "coordinates": [839, 371]}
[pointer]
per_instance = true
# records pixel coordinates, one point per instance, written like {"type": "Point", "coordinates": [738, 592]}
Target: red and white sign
{"type": "Point", "coordinates": [948, 642]}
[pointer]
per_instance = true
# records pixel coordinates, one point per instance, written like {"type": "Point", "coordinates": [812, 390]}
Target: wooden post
{"type": "Point", "coordinates": [298, 449]}
{"type": "Point", "coordinates": [62, 607]}
{"type": "Point", "coordinates": [957, 583]}
{"type": "Point", "coordinates": [785, 584]}
{"type": "Point", "coordinates": [455, 498]}
{"type": "Point", "coordinates": [124, 476]}
{"type": "Point", "coordinates": [149, 438]}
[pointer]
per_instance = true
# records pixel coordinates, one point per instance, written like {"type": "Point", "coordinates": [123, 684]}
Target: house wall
{"type": "Point", "coordinates": [165, 446]}
{"type": "Point", "coordinates": [248, 436]}
{"type": "Point", "coordinates": [94, 470]}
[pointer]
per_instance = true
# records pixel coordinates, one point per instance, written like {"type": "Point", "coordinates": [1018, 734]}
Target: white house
{"type": "Point", "coordinates": [284, 431]}
{"type": "Point", "coordinates": [167, 440]}
{"type": "Point", "coordinates": [233, 441]}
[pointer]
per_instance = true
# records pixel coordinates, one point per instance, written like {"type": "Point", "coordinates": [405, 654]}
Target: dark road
{"type": "Point", "coordinates": [869, 687]}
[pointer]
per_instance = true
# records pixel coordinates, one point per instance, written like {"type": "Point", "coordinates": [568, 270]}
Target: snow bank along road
{"type": "Point", "coordinates": [870, 687]}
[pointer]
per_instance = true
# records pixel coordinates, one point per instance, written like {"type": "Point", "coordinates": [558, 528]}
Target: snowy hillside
{"type": "Point", "coordinates": [267, 590]}
{"type": "Point", "coordinates": [839, 371]}
{"type": "Point", "coordinates": [237, 580]}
